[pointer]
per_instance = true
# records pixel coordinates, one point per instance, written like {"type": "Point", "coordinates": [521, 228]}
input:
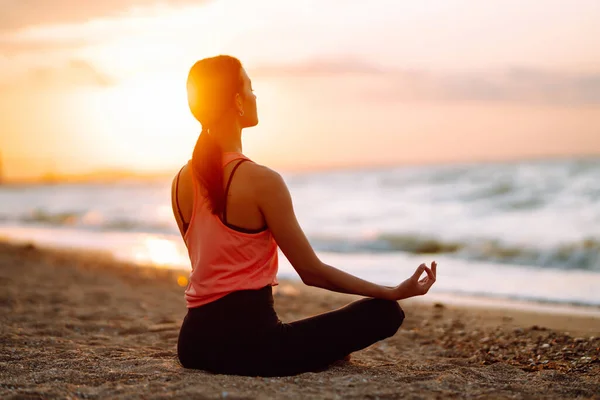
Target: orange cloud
{"type": "Point", "coordinates": [321, 67]}
{"type": "Point", "coordinates": [74, 73]}
{"type": "Point", "coordinates": [514, 85]}
{"type": "Point", "coordinates": [10, 48]}
{"type": "Point", "coordinates": [18, 14]}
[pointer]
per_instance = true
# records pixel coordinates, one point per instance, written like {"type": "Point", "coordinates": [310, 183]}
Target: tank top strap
{"type": "Point", "coordinates": [228, 185]}
{"type": "Point", "coordinates": [185, 224]}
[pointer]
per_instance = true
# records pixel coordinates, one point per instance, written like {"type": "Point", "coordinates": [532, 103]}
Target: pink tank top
{"type": "Point", "coordinates": [224, 259]}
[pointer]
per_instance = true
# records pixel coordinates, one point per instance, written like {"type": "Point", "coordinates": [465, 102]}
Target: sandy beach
{"type": "Point", "coordinates": [82, 325]}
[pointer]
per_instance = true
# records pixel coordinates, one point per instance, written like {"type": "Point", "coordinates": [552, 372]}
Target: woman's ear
{"type": "Point", "coordinates": [239, 104]}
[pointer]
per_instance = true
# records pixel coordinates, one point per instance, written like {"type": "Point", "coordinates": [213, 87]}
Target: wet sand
{"type": "Point", "coordinates": [82, 325]}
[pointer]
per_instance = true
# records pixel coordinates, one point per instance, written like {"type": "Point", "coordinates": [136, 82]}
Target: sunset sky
{"type": "Point", "coordinates": [88, 85]}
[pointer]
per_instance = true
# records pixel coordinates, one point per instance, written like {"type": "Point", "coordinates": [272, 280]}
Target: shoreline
{"type": "Point", "coordinates": [81, 324]}
{"type": "Point", "coordinates": [505, 303]}
{"type": "Point", "coordinates": [455, 298]}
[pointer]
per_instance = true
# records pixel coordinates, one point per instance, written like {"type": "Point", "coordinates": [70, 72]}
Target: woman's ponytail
{"type": "Point", "coordinates": [212, 85]}
{"type": "Point", "coordinates": [208, 170]}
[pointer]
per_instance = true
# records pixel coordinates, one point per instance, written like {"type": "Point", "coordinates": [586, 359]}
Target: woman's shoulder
{"type": "Point", "coordinates": [266, 181]}
{"type": "Point", "coordinates": [183, 177]}
{"type": "Point", "coordinates": [183, 171]}
{"type": "Point", "coordinates": [261, 174]}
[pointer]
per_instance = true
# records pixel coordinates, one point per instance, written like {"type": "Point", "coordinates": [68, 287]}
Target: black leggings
{"type": "Point", "coordinates": [240, 334]}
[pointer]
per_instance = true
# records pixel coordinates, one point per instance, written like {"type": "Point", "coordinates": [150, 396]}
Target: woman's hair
{"type": "Point", "coordinates": [211, 86]}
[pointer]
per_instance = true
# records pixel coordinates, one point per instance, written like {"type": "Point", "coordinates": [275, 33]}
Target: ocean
{"type": "Point", "coordinates": [527, 230]}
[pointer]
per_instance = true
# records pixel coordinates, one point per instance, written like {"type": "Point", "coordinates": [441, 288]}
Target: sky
{"type": "Point", "coordinates": [90, 85]}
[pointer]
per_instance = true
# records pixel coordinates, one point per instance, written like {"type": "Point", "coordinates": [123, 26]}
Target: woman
{"type": "Point", "coordinates": [233, 214]}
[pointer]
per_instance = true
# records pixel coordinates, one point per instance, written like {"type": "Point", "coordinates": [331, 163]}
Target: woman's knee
{"type": "Point", "coordinates": [389, 315]}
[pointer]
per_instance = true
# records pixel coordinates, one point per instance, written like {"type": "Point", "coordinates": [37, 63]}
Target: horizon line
{"type": "Point", "coordinates": [109, 174]}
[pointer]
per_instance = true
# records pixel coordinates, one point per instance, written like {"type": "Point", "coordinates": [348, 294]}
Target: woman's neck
{"type": "Point", "coordinates": [229, 138]}
{"type": "Point", "coordinates": [232, 147]}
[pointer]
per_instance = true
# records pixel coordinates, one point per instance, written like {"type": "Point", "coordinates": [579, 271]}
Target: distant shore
{"type": "Point", "coordinates": [115, 175]}
{"type": "Point", "coordinates": [80, 324]}
{"type": "Point", "coordinates": [95, 177]}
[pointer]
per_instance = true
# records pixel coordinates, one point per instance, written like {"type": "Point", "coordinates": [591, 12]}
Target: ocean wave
{"type": "Point", "coordinates": [581, 254]}
{"type": "Point", "coordinates": [89, 220]}
{"type": "Point", "coordinates": [584, 254]}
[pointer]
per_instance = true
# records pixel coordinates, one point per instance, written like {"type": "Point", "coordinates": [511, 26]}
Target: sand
{"type": "Point", "coordinates": [82, 325]}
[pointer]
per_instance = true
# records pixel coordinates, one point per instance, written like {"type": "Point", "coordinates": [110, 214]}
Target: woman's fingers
{"type": "Point", "coordinates": [430, 273]}
{"type": "Point", "coordinates": [419, 271]}
{"type": "Point", "coordinates": [424, 267]}
{"type": "Point", "coordinates": [428, 281]}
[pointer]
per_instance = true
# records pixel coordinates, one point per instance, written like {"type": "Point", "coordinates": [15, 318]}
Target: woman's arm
{"type": "Point", "coordinates": [275, 203]}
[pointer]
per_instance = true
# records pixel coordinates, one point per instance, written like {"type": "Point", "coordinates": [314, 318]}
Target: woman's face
{"type": "Point", "coordinates": [246, 103]}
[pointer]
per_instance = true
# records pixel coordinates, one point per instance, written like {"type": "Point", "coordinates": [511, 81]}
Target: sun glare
{"type": "Point", "coordinates": [157, 102]}
{"type": "Point", "coordinates": [159, 252]}
{"type": "Point", "coordinates": [145, 124]}
{"type": "Point", "coordinates": [142, 124]}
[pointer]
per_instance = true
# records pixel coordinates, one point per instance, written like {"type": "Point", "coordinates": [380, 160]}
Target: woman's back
{"type": "Point", "coordinates": [242, 202]}
{"type": "Point", "coordinates": [225, 256]}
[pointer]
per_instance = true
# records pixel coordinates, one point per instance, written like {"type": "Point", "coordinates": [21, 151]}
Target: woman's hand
{"type": "Point", "coordinates": [413, 286]}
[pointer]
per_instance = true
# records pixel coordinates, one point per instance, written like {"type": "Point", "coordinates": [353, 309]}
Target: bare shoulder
{"type": "Point", "coordinates": [265, 179]}
{"type": "Point", "coordinates": [183, 174]}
